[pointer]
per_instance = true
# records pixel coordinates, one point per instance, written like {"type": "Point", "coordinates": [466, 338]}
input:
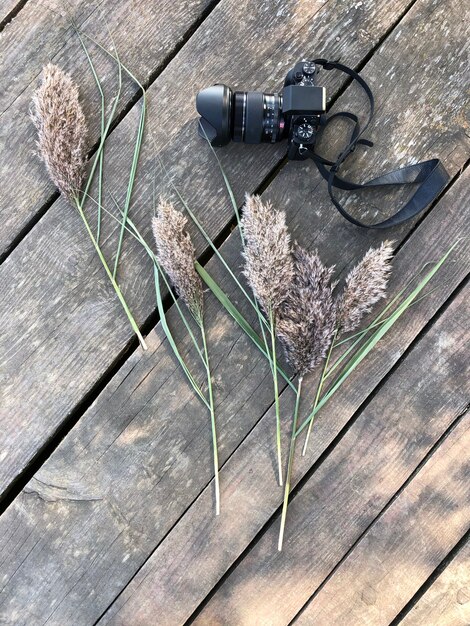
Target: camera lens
{"type": "Point", "coordinates": [257, 117]}
{"type": "Point", "coordinates": [247, 116]}
{"type": "Point", "coordinates": [214, 105]}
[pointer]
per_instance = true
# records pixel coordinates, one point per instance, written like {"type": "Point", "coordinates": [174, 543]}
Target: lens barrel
{"type": "Point", "coordinates": [245, 116]}
{"type": "Point", "coordinates": [257, 117]}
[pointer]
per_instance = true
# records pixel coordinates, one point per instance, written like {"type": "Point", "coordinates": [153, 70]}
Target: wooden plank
{"type": "Point", "coordinates": [350, 488]}
{"type": "Point", "coordinates": [8, 9]}
{"type": "Point", "coordinates": [74, 328]}
{"type": "Point", "coordinates": [41, 33]}
{"type": "Point", "coordinates": [102, 430]}
{"type": "Point", "coordinates": [404, 547]}
{"type": "Point", "coordinates": [33, 38]}
{"type": "Point", "coordinates": [198, 551]}
{"type": "Point", "coordinates": [126, 473]}
{"type": "Point", "coordinates": [447, 601]}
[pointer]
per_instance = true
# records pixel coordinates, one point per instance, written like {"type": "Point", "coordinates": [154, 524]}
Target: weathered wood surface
{"type": "Point", "coordinates": [447, 601]}
{"type": "Point", "coordinates": [145, 34]}
{"type": "Point", "coordinates": [8, 9]}
{"type": "Point", "coordinates": [126, 473]}
{"type": "Point", "coordinates": [197, 552]}
{"type": "Point", "coordinates": [100, 506]}
{"type": "Point", "coordinates": [346, 493]}
{"type": "Point", "coordinates": [74, 329]}
{"type": "Point", "coordinates": [34, 37]}
{"type": "Point", "coordinates": [405, 546]}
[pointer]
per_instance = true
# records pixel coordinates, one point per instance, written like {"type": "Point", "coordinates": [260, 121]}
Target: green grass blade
{"type": "Point", "coordinates": [104, 135]}
{"type": "Point", "coordinates": [171, 341]}
{"type": "Point", "coordinates": [134, 232]}
{"type": "Point", "coordinates": [116, 287]}
{"type": "Point", "coordinates": [237, 316]}
{"type": "Point", "coordinates": [215, 452]}
{"type": "Point", "coordinates": [116, 58]}
{"type": "Point", "coordinates": [227, 184]}
{"type": "Point", "coordinates": [130, 185]}
{"type": "Point", "coordinates": [363, 333]}
{"type": "Point", "coordinates": [179, 310]}
{"type": "Point", "coordinates": [102, 128]}
{"type": "Point", "coordinates": [378, 322]}
{"type": "Point", "coordinates": [261, 319]}
{"type": "Point", "coordinates": [382, 330]}
{"type": "Point", "coordinates": [210, 242]}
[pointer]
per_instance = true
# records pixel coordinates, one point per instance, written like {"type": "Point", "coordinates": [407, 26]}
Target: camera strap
{"type": "Point", "coordinates": [430, 176]}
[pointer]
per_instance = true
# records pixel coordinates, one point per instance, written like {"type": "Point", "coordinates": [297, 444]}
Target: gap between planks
{"type": "Point", "coordinates": [70, 423]}
{"type": "Point", "coordinates": [297, 489]}
{"type": "Point", "coordinates": [406, 615]}
{"type": "Point", "coordinates": [392, 499]}
{"type": "Point", "coordinates": [12, 13]}
{"type": "Point", "coordinates": [120, 115]}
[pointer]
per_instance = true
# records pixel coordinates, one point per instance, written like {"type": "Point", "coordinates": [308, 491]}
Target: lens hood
{"type": "Point", "coordinates": [214, 105]}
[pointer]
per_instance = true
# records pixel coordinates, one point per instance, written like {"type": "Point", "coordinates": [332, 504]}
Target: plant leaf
{"type": "Point", "coordinates": [379, 333]}
{"type": "Point", "coordinates": [130, 185]}
{"type": "Point", "coordinates": [171, 341]}
{"type": "Point", "coordinates": [238, 317]}
{"type": "Point", "coordinates": [134, 232]}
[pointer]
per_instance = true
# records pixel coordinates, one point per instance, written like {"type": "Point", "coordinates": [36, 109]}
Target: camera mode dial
{"type": "Point", "coordinates": [309, 68]}
{"type": "Point", "coordinates": [305, 131]}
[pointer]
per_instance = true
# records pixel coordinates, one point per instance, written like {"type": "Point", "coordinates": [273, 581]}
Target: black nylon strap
{"type": "Point", "coordinates": [431, 175]}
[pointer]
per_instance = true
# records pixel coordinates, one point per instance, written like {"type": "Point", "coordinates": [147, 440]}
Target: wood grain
{"type": "Point", "coordinates": [447, 601]}
{"type": "Point", "coordinates": [127, 472]}
{"type": "Point", "coordinates": [94, 513]}
{"type": "Point", "coordinates": [8, 9]}
{"type": "Point", "coordinates": [198, 551]}
{"type": "Point", "coordinates": [370, 463]}
{"type": "Point", "coordinates": [63, 327]}
{"type": "Point", "coordinates": [35, 36]}
{"type": "Point", "coordinates": [387, 567]}
{"type": "Point", "coordinates": [42, 33]}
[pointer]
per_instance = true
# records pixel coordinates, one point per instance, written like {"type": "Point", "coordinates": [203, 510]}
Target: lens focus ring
{"type": "Point", "coordinates": [272, 122]}
{"type": "Point", "coordinates": [257, 117]}
{"type": "Point", "coordinates": [239, 115]}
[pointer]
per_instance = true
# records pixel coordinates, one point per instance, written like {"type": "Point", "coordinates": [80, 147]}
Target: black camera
{"type": "Point", "coordinates": [255, 117]}
{"type": "Point", "coordinates": [298, 114]}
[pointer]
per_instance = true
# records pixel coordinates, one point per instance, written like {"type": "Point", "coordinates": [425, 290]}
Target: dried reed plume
{"type": "Point", "coordinates": [307, 318]}
{"type": "Point", "coordinates": [365, 285]}
{"type": "Point", "coordinates": [62, 129]}
{"type": "Point", "coordinates": [175, 253]}
{"type": "Point", "coordinates": [269, 267]}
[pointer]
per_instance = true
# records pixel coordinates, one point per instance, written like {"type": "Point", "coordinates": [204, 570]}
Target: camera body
{"type": "Point", "coordinates": [255, 117]}
{"type": "Point", "coordinates": [303, 104]}
{"type": "Point", "coordinates": [296, 114]}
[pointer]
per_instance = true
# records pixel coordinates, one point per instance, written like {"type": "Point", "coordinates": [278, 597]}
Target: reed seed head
{"type": "Point", "coordinates": [365, 285]}
{"type": "Point", "coordinates": [62, 129]}
{"type": "Point", "coordinates": [307, 318]}
{"type": "Point", "coordinates": [269, 266]}
{"type": "Point", "coordinates": [176, 255]}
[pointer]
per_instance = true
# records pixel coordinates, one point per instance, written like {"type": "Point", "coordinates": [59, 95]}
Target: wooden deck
{"type": "Point", "coordinates": [106, 491]}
